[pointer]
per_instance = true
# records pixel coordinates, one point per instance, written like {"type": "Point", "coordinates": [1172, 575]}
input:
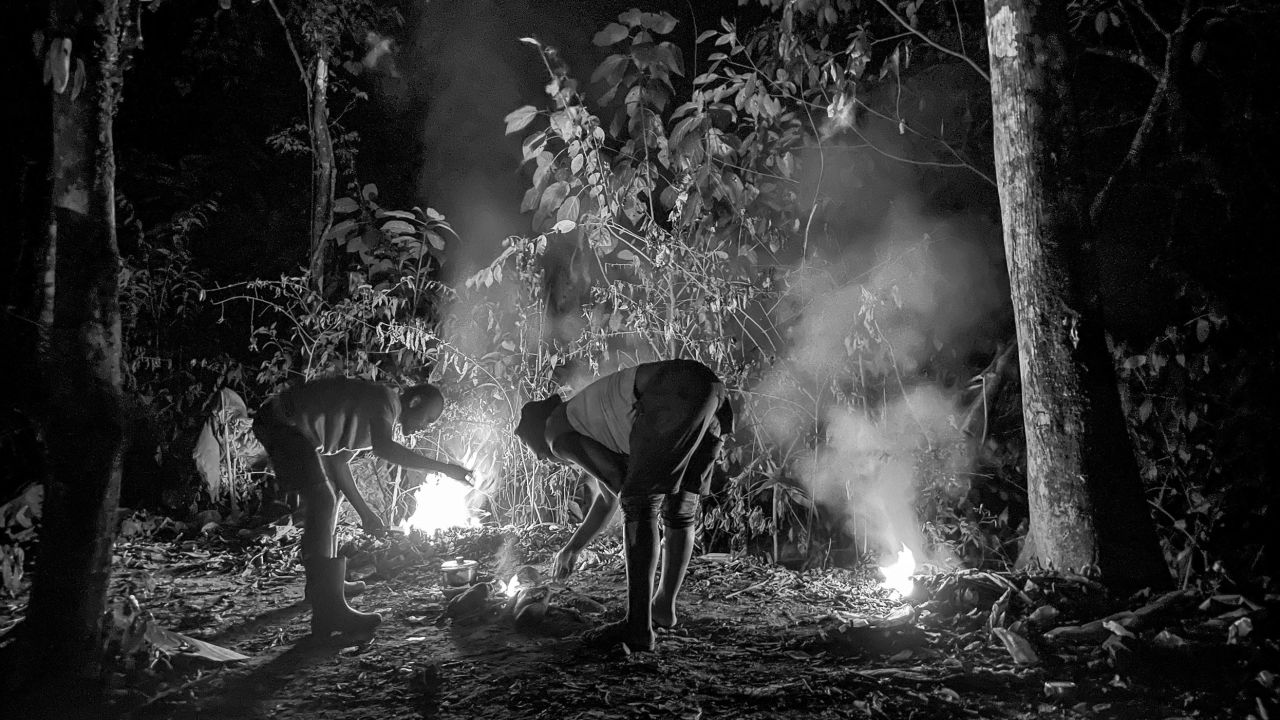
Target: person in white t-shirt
{"type": "Point", "coordinates": [648, 436]}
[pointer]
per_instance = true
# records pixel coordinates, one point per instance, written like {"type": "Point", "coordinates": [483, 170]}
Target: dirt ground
{"type": "Point", "coordinates": [755, 641]}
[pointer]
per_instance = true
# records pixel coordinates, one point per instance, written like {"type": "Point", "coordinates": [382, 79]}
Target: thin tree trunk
{"type": "Point", "coordinates": [1086, 500]}
{"type": "Point", "coordinates": [80, 362]}
{"type": "Point", "coordinates": [323, 171]}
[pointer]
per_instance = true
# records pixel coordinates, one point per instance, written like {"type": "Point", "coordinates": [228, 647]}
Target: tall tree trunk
{"type": "Point", "coordinates": [1086, 500]}
{"type": "Point", "coordinates": [323, 170]}
{"type": "Point", "coordinates": [80, 357]}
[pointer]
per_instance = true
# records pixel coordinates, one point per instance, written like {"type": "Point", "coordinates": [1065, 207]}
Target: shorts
{"type": "Point", "coordinates": [676, 435]}
{"type": "Point", "coordinates": [294, 459]}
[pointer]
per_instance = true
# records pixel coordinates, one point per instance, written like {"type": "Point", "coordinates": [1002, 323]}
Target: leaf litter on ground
{"type": "Point", "coordinates": [755, 639]}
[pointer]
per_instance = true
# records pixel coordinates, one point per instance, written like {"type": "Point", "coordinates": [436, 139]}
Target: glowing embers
{"type": "Point", "coordinates": [439, 504]}
{"type": "Point", "coordinates": [897, 577]}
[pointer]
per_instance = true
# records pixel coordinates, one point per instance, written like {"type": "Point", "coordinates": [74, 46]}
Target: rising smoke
{"type": "Point", "coordinates": [869, 344]}
{"type": "Point", "coordinates": [862, 403]}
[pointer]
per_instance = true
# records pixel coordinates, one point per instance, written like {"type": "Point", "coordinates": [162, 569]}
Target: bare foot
{"type": "Point", "coordinates": [664, 612]}
{"type": "Point", "coordinates": [619, 632]}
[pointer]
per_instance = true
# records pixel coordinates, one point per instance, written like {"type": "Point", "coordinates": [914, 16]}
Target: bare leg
{"type": "Point", "coordinates": [641, 539]}
{"type": "Point", "coordinates": [677, 548]}
{"type": "Point", "coordinates": [636, 630]}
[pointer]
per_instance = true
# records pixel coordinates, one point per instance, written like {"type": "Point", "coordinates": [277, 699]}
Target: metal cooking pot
{"type": "Point", "coordinates": [457, 572]}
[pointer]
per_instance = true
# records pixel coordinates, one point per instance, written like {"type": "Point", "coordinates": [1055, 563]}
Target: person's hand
{"type": "Point", "coordinates": [457, 472]}
{"type": "Point", "coordinates": [564, 564]}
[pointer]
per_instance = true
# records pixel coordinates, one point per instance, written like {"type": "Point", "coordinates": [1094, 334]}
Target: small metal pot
{"type": "Point", "coordinates": [457, 572]}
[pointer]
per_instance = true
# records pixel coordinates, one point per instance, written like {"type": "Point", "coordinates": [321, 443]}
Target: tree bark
{"type": "Point", "coordinates": [80, 360]}
{"type": "Point", "coordinates": [323, 170]}
{"type": "Point", "coordinates": [1087, 506]}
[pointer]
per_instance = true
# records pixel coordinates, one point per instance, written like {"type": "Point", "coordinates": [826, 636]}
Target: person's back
{"type": "Point", "coordinates": [338, 413]}
{"type": "Point", "coordinates": [605, 410]}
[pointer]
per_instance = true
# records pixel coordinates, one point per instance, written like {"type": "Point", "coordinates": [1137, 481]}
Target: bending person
{"type": "Point", "coordinates": [648, 436]}
{"type": "Point", "coordinates": [311, 433]}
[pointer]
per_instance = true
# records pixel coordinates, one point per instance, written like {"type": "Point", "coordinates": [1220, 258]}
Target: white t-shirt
{"type": "Point", "coordinates": [605, 410]}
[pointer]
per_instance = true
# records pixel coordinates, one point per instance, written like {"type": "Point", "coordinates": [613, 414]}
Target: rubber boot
{"type": "Point", "coordinates": [350, 589]}
{"type": "Point", "coordinates": [330, 612]}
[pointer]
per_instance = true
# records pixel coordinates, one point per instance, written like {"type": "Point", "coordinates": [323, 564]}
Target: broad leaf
{"type": "Point", "coordinates": [610, 69]}
{"type": "Point", "coordinates": [631, 17]}
{"type": "Point", "coordinates": [402, 214]}
{"type": "Point", "coordinates": [612, 33]}
{"type": "Point", "coordinates": [661, 23]}
{"type": "Point", "coordinates": [341, 230]}
{"type": "Point", "coordinates": [345, 205]}
{"type": "Point", "coordinates": [564, 226]}
{"type": "Point", "coordinates": [551, 198]}
{"type": "Point", "coordinates": [568, 212]}
{"type": "Point", "coordinates": [671, 57]}
{"type": "Point", "coordinates": [530, 200]}
{"type": "Point", "coordinates": [520, 118]}
{"type": "Point", "coordinates": [683, 128]}
{"type": "Point", "coordinates": [398, 227]}
{"type": "Point", "coordinates": [533, 145]}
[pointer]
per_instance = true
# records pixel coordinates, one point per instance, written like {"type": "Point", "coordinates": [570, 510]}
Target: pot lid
{"type": "Point", "coordinates": [457, 564]}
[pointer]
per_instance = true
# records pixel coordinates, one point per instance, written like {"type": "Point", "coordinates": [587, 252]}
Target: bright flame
{"type": "Point", "coordinates": [438, 504]}
{"type": "Point", "coordinates": [514, 586]}
{"type": "Point", "coordinates": [441, 503]}
{"type": "Point", "coordinates": [898, 575]}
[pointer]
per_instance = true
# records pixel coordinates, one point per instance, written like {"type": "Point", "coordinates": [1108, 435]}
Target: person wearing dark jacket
{"type": "Point", "coordinates": [311, 433]}
{"type": "Point", "coordinates": [648, 436]}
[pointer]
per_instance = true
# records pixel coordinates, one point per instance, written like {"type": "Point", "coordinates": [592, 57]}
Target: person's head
{"type": "Point", "coordinates": [532, 429]}
{"type": "Point", "coordinates": [420, 406]}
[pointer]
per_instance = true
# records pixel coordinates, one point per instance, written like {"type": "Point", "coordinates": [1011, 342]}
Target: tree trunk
{"type": "Point", "coordinates": [323, 171]}
{"type": "Point", "coordinates": [80, 359]}
{"type": "Point", "coordinates": [1086, 500]}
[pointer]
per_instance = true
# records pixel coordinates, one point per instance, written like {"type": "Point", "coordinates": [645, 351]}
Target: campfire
{"type": "Point", "coordinates": [440, 503]}
{"type": "Point", "coordinates": [897, 576]}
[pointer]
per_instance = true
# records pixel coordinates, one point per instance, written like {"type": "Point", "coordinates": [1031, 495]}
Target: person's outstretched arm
{"type": "Point", "coordinates": [385, 447]}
